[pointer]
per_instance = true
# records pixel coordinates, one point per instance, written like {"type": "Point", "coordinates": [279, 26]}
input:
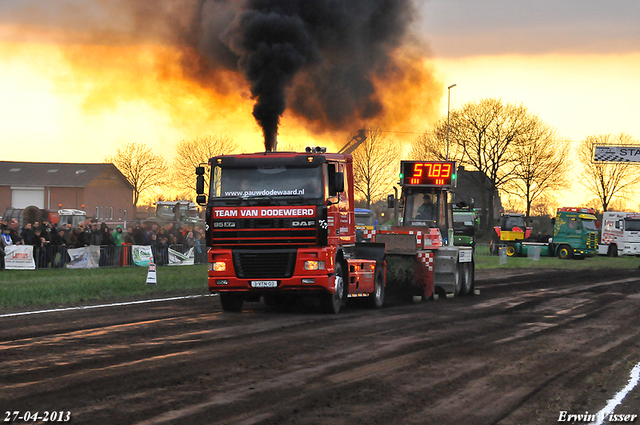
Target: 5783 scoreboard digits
{"type": "Point", "coordinates": [441, 174]}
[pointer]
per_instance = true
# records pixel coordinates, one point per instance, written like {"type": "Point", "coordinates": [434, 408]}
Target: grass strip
{"type": "Point", "coordinates": [67, 287]}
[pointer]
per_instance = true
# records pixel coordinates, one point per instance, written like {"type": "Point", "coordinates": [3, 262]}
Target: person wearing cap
{"type": "Point", "coordinates": [427, 210]}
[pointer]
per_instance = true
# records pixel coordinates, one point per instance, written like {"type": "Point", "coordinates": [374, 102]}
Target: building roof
{"type": "Point", "coordinates": [52, 174]}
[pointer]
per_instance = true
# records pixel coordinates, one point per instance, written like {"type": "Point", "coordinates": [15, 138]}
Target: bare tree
{"type": "Point", "coordinates": [607, 180]}
{"type": "Point", "coordinates": [432, 146]}
{"type": "Point", "coordinates": [487, 133]}
{"type": "Point", "coordinates": [541, 164]}
{"type": "Point", "coordinates": [375, 166]}
{"type": "Point", "coordinates": [192, 153]}
{"type": "Point", "coordinates": [140, 166]}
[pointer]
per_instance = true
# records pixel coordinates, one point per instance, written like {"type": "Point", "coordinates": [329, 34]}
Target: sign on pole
{"type": "Point", "coordinates": [151, 275]}
{"type": "Point", "coordinates": [616, 153]}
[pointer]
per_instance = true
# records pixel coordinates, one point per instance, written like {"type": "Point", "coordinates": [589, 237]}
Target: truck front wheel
{"type": "Point", "coordinates": [613, 250]}
{"type": "Point", "coordinates": [565, 252]}
{"type": "Point", "coordinates": [231, 302]}
{"type": "Point", "coordinates": [333, 302]}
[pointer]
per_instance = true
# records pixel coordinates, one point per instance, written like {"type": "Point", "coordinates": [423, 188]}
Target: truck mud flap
{"type": "Point", "coordinates": [370, 251]}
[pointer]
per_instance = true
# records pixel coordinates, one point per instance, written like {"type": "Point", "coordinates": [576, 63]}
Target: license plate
{"type": "Point", "coordinates": [264, 283]}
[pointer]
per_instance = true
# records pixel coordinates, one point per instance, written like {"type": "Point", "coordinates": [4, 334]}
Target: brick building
{"type": "Point", "coordinates": [99, 189]}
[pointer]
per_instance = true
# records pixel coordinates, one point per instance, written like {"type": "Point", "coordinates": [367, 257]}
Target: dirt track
{"type": "Point", "coordinates": [530, 346]}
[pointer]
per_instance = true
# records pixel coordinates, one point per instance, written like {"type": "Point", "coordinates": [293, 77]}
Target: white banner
{"type": "Point", "coordinates": [142, 255]}
{"type": "Point", "coordinates": [616, 153]}
{"type": "Point", "coordinates": [19, 257]}
{"type": "Point", "coordinates": [178, 259]}
{"type": "Point", "coordinates": [87, 257]}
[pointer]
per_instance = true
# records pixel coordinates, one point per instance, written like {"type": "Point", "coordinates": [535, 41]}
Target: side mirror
{"type": "Point", "coordinates": [201, 199]}
{"type": "Point", "coordinates": [200, 185]}
{"type": "Point", "coordinates": [391, 201]}
{"type": "Point", "coordinates": [339, 183]}
{"type": "Point", "coordinates": [336, 181]}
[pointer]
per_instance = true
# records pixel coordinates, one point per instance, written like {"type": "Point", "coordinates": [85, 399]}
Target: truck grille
{"type": "Point", "coordinates": [271, 263]}
{"type": "Point", "coordinates": [592, 241]}
{"type": "Point", "coordinates": [252, 232]}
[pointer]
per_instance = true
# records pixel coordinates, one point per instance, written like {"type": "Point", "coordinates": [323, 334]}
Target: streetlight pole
{"type": "Point", "coordinates": [448, 107]}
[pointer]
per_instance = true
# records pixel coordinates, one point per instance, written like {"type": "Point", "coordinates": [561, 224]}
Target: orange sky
{"type": "Point", "coordinates": [78, 102]}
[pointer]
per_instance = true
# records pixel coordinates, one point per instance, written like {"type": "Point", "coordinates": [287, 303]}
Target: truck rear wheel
{"type": "Point", "coordinates": [376, 299]}
{"type": "Point", "coordinates": [333, 302]}
{"type": "Point", "coordinates": [565, 252]}
{"type": "Point", "coordinates": [231, 302]}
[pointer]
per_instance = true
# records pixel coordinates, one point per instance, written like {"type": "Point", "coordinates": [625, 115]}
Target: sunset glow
{"type": "Point", "coordinates": [75, 86]}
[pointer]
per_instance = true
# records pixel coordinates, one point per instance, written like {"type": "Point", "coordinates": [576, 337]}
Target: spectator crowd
{"type": "Point", "coordinates": [51, 242]}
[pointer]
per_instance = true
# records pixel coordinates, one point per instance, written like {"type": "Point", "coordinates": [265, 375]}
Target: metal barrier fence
{"type": "Point", "coordinates": [121, 256]}
{"type": "Point", "coordinates": [52, 256]}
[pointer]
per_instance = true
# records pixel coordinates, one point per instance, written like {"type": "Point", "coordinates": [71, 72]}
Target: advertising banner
{"type": "Point", "coordinates": [616, 154]}
{"type": "Point", "coordinates": [19, 257]}
{"type": "Point", "coordinates": [87, 257]}
{"type": "Point", "coordinates": [142, 255]}
{"type": "Point", "coordinates": [179, 259]}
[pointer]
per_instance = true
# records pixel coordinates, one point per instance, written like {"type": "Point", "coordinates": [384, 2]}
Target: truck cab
{"type": "Point", "coordinates": [575, 233]}
{"type": "Point", "coordinates": [620, 234]}
{"type": "Point", "coordinates": [281, 225]}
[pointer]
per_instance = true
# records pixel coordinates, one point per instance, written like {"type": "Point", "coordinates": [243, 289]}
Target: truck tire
{"type": "Point", "coordinates": [565, 252]}
{"type": "Point", "coordinates": [333, 302]}
{"type": "Point", "coordinates": [376, 299]}
{"type": "Point", "coordinates": [613, 250]}
{"type": "Point", "coordinates": [231, 302]}
{"type": "Point", "coordinates": [512, 250]}
{"type": "Point", "coordinates": [466, 277]}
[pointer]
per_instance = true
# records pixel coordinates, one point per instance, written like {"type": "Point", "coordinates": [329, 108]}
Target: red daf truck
{"type": "Point", "coordinates": [281, 225]}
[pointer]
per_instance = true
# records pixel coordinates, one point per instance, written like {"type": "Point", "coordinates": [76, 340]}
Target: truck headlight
{"type": "Point", "coordinates": [218, 266]}
{"type": "Point", "coordinates": [314, 265]}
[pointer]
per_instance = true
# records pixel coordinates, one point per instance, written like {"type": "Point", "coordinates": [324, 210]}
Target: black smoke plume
{"type": "Point", "coordinates": [318, 57]}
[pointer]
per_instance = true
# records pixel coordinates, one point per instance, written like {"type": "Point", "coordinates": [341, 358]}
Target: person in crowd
{"type": "Point", "coordinates": [129, 237]}
{"type": "Point", "coordinates": [148, 233]}
{"type": "Point", "coordinates": [3, 245]}
{"type": "Point", "coordinates": [15, 232]}
{"type": "Point", "coordinates": [138, 234]}
{"type": "Point", "coordinates": [118, 235]}
{"type": "Point", "coordinates": [59, 247]}
{"type": "Point", "coordinates": [107, 246]}
{"type": "Point", "coordinates": [26, 233]}
{"type": "Point", "coordinates": [79, 237]}
{"type": "Point", "coordinates": [95, 236]}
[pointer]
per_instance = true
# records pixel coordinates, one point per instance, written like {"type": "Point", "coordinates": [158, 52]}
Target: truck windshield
{"type": "Point", "coordinates": [589, 224]}
{"type": "Point", "coordinates": [421, 209]}
{"type": "Point", "coordinates": [364, 218]}
{"type": "Point", "coordinates": [462, 219]}
{"type": "Point", "coordinates": [267, 181]}
{"type": "Point", "coordinates": [632, 225]}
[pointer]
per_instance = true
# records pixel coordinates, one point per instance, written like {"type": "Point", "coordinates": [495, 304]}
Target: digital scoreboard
{"type": "Point", "coordinates": [428, 173]}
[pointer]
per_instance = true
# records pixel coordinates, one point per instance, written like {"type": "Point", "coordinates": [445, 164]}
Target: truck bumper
{"type": "Point", "coordinates": [312, 270]}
